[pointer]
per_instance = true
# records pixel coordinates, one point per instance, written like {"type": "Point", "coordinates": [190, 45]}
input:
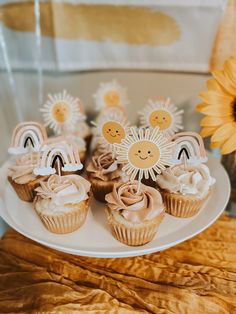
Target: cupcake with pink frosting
{"type": "Point", "coordinates": [62, 202]}
{"type": "Point", "coordinates": [103, 172]}
{"type": "Point", "coordinates": [185, 189]}
{"type": "Point", "coordinates": [22, 178]}
{"type": "Point", "coordinates": [134, 216]}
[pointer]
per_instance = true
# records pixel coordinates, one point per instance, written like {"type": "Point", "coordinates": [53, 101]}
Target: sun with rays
{"type": "Point", "coordinates": [110, 94]}
{"type": "Point", "coordinates": [164, 114]}
{"type": "Point", "coordinates": [61, 112]}
{"type": "Point", "coordinates": [145, 152]}
{"type": "Point", "coordinates": [111, 128]}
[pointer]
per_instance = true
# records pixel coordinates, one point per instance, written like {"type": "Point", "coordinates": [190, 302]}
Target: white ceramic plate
{"type": "Point", "coordinates": [94, 238]}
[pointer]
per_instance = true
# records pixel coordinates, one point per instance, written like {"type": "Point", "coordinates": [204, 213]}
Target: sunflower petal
{"type": "Point", "coordinates": [200, 106]}
{"type": "Point", "coordinates": [217, 110]}
{"type": "Point", "coordinates": [224, 132]}
{"type": "Point", "coordinates": [215, 121]}
{"type": "Point", "coordinates": [225, 80]}
{"type": "Point", "coordinates": [212, 84]}
{"type": "Point", "coordinates": [214, 145]}
{"type": "Point", "coordinates": [207, 131]}
{"type": "Point", "coordinates": [230, 145]}
{"type": "Point", "coordinates": [216, 98]}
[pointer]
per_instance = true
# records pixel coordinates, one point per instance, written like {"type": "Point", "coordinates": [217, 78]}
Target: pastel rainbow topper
{"type": "Point", "coordinates": [188, 145]}
{"type": "Point", "coordinates": [65, 152]}
{"type": "Point", "coordinates": [110, 94]}
{"type": "Point", "coordinates": [26, 137]}
{"type": "Point", "coordinates": [144, 152]}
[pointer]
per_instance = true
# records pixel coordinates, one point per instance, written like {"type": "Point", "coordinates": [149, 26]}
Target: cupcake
{"type": "Point", "coordinates": [185, 189]}
{"type": "Point", "coordinates": [134, 217]}
{"type": "Point", "coordinates": [62, 203]}
{"type": "Point", "coordinates": [22, 178]}
{"type": "Point", "coordinates": [103, 172]}
{"type": "Point", "coordinates": [83, 130]}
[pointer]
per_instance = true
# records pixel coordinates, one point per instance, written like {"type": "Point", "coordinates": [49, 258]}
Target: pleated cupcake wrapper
{"type": "Point", "coordinates": [182, 206]}
{"type": "Point", "coordinates": [68, 222]}
{"type": "Point", "coordinates": [26, 192]}
{"type": "Point", "coordinates": [135, 235]}
{"type": "Point", "coordinates": [101, 188]}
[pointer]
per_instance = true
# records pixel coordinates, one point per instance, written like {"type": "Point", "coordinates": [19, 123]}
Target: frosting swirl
{"type": "Point", "coordinates": [106, 168]}
{"type": "Point", "coordinates": [21, 171]}
{"type": "Point", "coordinates": [189, 180]}
{"type": "Point", "coordinates": [63, 190]}
{"type": "Point", "coordinates": [133, 206]}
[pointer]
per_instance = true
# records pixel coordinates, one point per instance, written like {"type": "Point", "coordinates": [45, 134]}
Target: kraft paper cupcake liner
{"type": "Point", "coordinates": [66, 222]}
{"type": "Point", "coordinates": [101, 188]}
{"type": "Point", "coordinates": [26, 191]}
{"type": "Point", "coordinates": [182, 206]}
{"type": "Point", "coordinates": [136, 235]}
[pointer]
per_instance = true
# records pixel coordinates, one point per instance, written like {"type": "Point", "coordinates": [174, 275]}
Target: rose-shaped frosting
{"type": "Point", "coordinates": [133, 206]}
{"type": "Point", "coordinates": [106, 168]}
{"type": "Point", "coordinates": [187, 180]}
{"type": "Point", "coordinates": [21, 171]}
{"type": "Point", "coordinates": [63, 190]}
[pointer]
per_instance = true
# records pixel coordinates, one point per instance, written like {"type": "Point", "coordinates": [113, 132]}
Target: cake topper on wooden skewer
{"type": "Point", "coordinates": [64, 153]}
{"type": "Point", "coordinates": [111, 128]}
{"type": "Point", "coordinates": [27, 137]}
{"type": "Point", "coordinates": [110, 94]}
{"type": "Point", "coordinates": [164, 114]}
{"type": "Point", "coordinates": [188, 146]}
{"type": "Point", "coordinates": [61, 112]}
{"type": "Point", "coordinates": [144, 153]}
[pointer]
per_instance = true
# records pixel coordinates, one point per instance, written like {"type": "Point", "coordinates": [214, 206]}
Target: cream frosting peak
{"type": "Point", "coordinates": [21, 171]}
{"type": "Point", "coordinates": [133, 206]}
{"type": "Point", "coordinates": [189, 180]}
{"type": "Point", "coordinates": [63, 190]}
{"type": "Point", "coordinates": [105, 167]}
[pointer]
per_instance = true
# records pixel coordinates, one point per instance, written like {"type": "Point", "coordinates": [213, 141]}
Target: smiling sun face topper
{"type": "Point", "coordinates": [110, 94]}
{"type": "Point", "coordinates": [145, 152]}
{"type": "Point", "coordinates": [162, 114]}
{"type": "Point", "coordinates": [61, 112]}
{"type": "Point", "coordinates": [111, 127]}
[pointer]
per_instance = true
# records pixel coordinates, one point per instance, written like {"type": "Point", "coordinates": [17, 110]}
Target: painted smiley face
{"type": "Point", "coordinates": [112, 98]}
{"type": "Point", "coordinates": [144, 154]}
{"type": "Point", "coordinates": [113, 132]}
{"type": "Point", "coordinates": [60, 112]}
{"type": "Point", "coordinates": [160, 118]}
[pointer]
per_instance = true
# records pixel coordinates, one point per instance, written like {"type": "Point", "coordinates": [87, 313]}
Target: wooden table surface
{"type": "Point", "coordinates": [197, 276]}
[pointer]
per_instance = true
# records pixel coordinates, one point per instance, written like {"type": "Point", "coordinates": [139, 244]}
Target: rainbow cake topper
{"type": "Point", "coordinates": [27, 137]}
{"type": "Point", "coordinates": [65, 152]}
{"type": "Point", "coordinates": [188, 145]}
{"type": "Point", "coordinates": [61, 112]}
{"type": "Point", "coordinates": [164, 114]}
{"type": "Point", "coordinates": [144, 152]}
{"type": "Point", "coordinates": [111, 128]}
{"type": "Point", "coordinates": [110, 94]}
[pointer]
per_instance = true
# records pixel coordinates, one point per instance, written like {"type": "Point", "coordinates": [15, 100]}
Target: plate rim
{"type": "Point", "coordinates": [139, 252]}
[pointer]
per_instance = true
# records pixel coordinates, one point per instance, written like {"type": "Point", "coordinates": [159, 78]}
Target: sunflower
{"type": "Point", "coordinates": [219, 106]}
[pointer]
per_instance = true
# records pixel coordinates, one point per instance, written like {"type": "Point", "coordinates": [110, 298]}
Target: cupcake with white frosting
{"type": "Point", "coordinates": [62, 203]}
{"type": "Point", "coordinates": [83, 130]}
{"type": "Point", "coordinates": [185, 189]}
{"type": "Point", "coordinates": [134, 216]}
{"type": "Point", "coordinates": [103, 172]}
{"type": "Point", "coordinates": [22, 178]}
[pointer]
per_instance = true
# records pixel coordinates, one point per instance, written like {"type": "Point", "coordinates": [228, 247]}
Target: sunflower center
{"type": "Point", "coordinates": [234, 109]}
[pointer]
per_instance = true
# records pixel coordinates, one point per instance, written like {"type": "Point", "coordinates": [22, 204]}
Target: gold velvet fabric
{"type": "Point", "coordinates": [197, 276]}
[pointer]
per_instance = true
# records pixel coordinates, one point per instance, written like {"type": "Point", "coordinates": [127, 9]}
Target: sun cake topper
{"type": "Point", "coordinates": [63, 152]}
{"type": "Point", "coordinates": [110, 94]}
{"type": "Point", "coordinates": [145, 152]}
{"type": "Point", "coordinates": [188, 146]}
{"type": "Point", "coordinates": [27, 137]}
{"type": "Point", "coordinates": [61, 112]}
{"type": "Point", "coordinates": [162, 113]}
{"type": "Point", "coordinates": [111, 128]}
